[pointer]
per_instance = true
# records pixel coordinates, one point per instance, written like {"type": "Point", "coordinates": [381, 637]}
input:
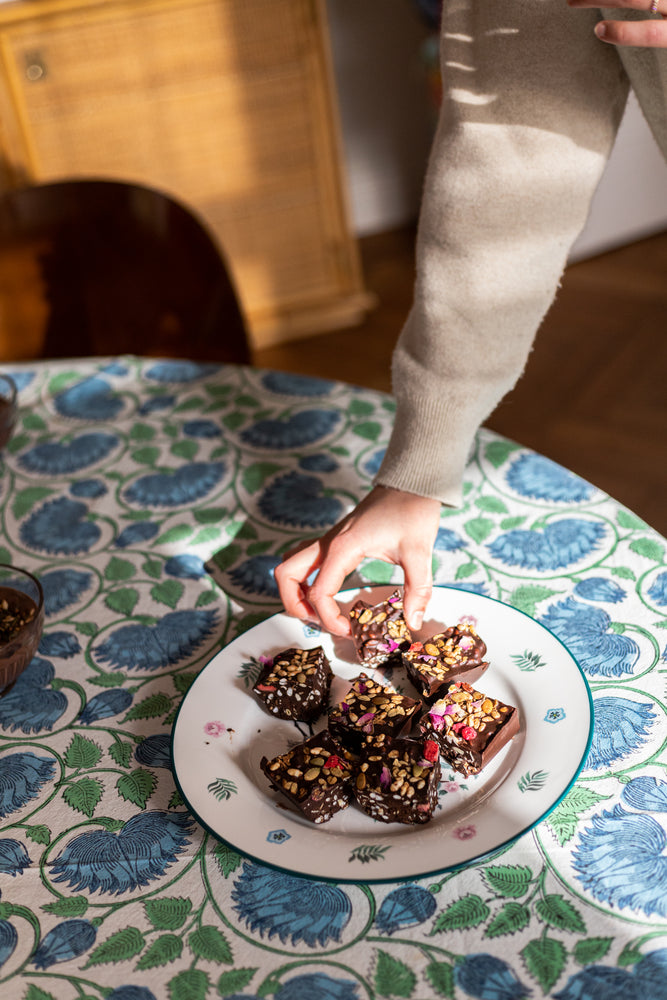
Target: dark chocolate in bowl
{"type": "Point", "coordinates": [21, 622]}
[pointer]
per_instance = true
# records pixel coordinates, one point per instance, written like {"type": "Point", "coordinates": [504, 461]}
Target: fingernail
{"type": "Point", "coordinates": [416, 620]}
{"type": "Point", "coordinates": [600, 29]}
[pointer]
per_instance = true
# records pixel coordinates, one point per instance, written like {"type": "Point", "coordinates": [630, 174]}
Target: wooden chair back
{"type": "Point", "coordinates": [97, 267]}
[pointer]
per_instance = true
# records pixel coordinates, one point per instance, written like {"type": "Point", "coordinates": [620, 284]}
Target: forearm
{"type": "Point", "coordinates": [530, 111]}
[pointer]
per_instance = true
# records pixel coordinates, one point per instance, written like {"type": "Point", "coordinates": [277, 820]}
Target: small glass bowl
{"type": "Point", "coordinates": [7, 408]}
{"type": "Point", "coordinates": [21, 621]}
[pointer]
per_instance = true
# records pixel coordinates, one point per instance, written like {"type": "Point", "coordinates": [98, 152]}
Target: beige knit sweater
{"type": "Point", "coordinates": [532, 102]}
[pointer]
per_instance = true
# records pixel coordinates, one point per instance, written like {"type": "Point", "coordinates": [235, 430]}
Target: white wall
{"type": "Point", "coordinates": [631, 199]}
{"type": "Point", "coordinates": [384, 110]}
{"type": "Point", "coordinates": [387, 120]}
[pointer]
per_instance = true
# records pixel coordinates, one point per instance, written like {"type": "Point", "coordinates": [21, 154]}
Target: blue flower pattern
{"type": "Point", "coordinates": [293, 431]}
{"type": "Point", "coordinates": [298, 501]}
{"type": "Point", "coordinates": [405, 907]}
{"type": "Point", "coordinates": [13, 857]}
{"type": "Point", "coordinates": [539, 478]}
{"type": "Point", "coordinates": [448, 540]}
{"type": "Point", "coordinates": [90, 489]}
{"type": "Point", "coordinates": [149, 647]}
{"type": "Point", "coordinates": [134, 534]}
{"type": "Point", "coordinates": [125, 638]}
{"type": "Point", "coordinates": [586, 631]}
{"type": "Point", "coordinates": [155, 404]}
{"type": "Point", "coordinates": [91, 399]}
{"type": "Point", "coordinates": [32, 705]}
{"type": "Point", "coordinates": [105, 705]}
{"type": "Point", "coordinates": [108, 862]}
{"type": "Point", "coordinates": [60, 527]}
{"type": "Point", "coordinates": [320, 985]}
{"type": "Point", "coordinates": [287, 384]}
{"type": "Point", "coordinates": [22, 776]}
{"type": "Point", "coordinates": [8, 940]}
{"type": "Point", "coordinates": [621, 727]}
{"type": "Point", "coordinates": [66, 941]}
{"type": "Point", "coordinates": [59, 458]}
{"type": "Point", "coordinates": [201, 429]}
{"type": "Point", "coordinates": [185, 566]}
{"type": "Point", "coordinates": [180, 371]}
{"type": "Point", "coordinates": [63, 588]}
{"type": "Point", "coordinates": [256, 575]}
{"type": "Point", "coordinates": [620, 860]}
{"type": "Point", "coordinates": [185, 484]}
{"type": "Point", "coordinates": [372, 464]}
{"type": "Point", "coordinates": [489, 978]}
{"type": "Point", "coordinates": [155, 751]}
{"type": "Point", "coordinates": [562, 543]}
{"type": "Point", "coordinates": [131, 993]}
{"type": "Point", "coordinates": [643, 980]}
{"type": "Point", "coordinates": [597, 588]}
{"type": "Point", "coordinates": [658, 590]}
{"type": "Point", "coordinates": [60, 643]}
{"type": "Point", "coordinates": [292, 909]}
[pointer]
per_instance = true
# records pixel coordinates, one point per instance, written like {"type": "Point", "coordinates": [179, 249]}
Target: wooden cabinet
{"type": "Point", "coordinates": [227, 105]}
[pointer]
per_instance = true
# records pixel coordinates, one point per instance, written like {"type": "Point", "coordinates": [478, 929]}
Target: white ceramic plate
{"type": "Point", "coordinates": [222, 731]}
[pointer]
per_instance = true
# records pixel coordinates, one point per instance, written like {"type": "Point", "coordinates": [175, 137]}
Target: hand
{"type": "Point", "coordinates": [647, 32]}
{"type": "Point", "coordinates": [388, 524]}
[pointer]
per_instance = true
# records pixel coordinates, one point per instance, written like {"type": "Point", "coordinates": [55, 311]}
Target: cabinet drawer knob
{"type": "Point", "coordinates": [35, 68]}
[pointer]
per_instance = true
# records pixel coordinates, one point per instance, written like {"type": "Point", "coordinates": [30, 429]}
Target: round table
{"type": "Point", "coordinates": [153, 498]}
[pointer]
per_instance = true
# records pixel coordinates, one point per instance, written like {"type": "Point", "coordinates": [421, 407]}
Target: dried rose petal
{"type": "Point", "coordinates": [437, 721]}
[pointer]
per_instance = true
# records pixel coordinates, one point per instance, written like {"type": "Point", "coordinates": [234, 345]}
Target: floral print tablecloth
{"type": "Point", "coordinates": [154, 499]}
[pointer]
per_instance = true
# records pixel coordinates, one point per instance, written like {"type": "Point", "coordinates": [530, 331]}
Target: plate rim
{"type": "Point", "coordinates": [431, 872]}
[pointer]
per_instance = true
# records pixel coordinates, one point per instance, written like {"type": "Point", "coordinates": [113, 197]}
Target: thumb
{"type": "Point", "coordinates": [417, 590]}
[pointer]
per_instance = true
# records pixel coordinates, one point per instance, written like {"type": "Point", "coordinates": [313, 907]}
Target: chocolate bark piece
{"type": "Point", "coordinates": [469, 727]}
{"type": "Point", "coordinates": [315, 776]}
{"type": "Point", "coordinates": [455, 654]}
{"type": "Point", "coordinates": [370, 711]}
{"type": "Point", "coordinates": [399, 785]}
{"type": "Point", "coordinates": [295, 684]}
{"type": "Point", "coordinates": [379, 631]}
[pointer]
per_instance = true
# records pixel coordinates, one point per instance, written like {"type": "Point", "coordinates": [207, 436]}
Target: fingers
{"type": "Point", "coordinates": [390, 525]}
{"type": "Point", "coordinates": [418, 587]}
{"type": "Point", "coordinates": [646, 34]}
{"type": "Point", "coordinates": [415, 601]}
{"type": "Point", "coordinates": [341, 559]}
{"type": "Point", "coordinates": [316, 603]}
{"type": "Point", "coordinates": [291, 576]}
{"type": "Point", "coordinates": [639, 5]}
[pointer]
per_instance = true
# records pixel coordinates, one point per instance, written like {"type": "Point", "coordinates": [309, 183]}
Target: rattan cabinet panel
{"type": "Point", "coordinates": [226, 104]}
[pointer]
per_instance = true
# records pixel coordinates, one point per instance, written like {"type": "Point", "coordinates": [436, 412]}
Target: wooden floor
{"type": "Point", "coordinates": [593, 396]}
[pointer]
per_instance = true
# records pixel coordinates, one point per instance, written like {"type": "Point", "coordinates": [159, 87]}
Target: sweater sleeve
{"type": "Point", "coordinates": [532, 102]}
